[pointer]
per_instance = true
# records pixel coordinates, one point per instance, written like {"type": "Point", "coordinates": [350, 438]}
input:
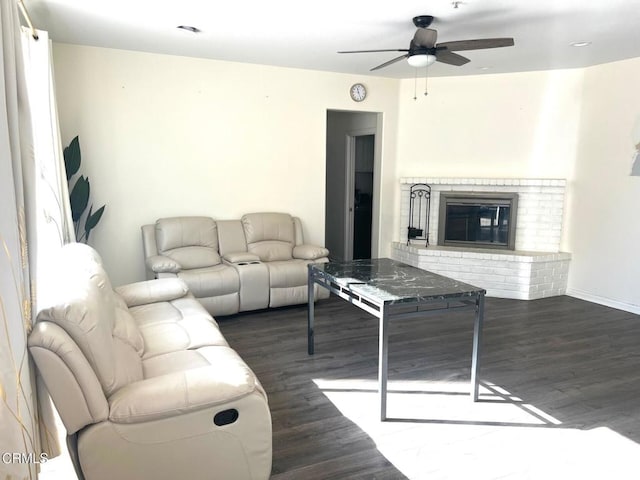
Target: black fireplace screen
{"type": "Point", "coordinates": [481, 220]}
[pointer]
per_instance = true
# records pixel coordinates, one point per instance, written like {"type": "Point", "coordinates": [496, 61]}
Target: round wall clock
{"type": "Point", "coordinates": [358, 92]}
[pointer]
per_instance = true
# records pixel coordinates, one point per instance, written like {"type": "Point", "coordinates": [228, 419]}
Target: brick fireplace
{"type": "Point", "coordinates": [534, 269]}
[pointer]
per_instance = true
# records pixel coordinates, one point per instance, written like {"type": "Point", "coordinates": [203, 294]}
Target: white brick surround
{"type": "Point", "coordinates": [502, 273]}
{"type": "Point", "coordinates": [536, 269]}
{"type": "Point", "coordinates": [539, 215]}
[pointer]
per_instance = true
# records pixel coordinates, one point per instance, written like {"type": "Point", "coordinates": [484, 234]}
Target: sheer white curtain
{"type": "Point", "coordinates": [34, 222]}
{"type": "Point", "coordinates": [53, 212]}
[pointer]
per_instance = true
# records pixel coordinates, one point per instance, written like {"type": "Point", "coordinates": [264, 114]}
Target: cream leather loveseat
{"type": "Point", "coordinates": [232, 266]}
{"type": "Point", "coordinates": [145, 383]}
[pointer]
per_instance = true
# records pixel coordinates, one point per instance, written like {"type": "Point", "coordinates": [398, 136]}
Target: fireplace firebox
{"type": "Point", "coordinates": [483, 220]}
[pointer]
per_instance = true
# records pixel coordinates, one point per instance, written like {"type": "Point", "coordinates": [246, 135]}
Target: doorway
{"type": "Point", "coordinates": [351, 184]}
{"type": "Point", "coordinates": [362, 196]}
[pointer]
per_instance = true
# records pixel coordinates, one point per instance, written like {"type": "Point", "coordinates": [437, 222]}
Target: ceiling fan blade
{"type": "Point", "coordinates": [477, 44]}
{"type": "Point", "coordinates": [386, 64]}
{"type": "Point", "coordinates": [445, 56]}
{"type": "Point", "coordinates": [425, 37]}
{"type": "Point", "coordinates": [376, 51]}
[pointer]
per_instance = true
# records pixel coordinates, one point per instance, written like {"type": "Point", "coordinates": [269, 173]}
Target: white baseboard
{"type": "Point", "coordinates": [608, 302]}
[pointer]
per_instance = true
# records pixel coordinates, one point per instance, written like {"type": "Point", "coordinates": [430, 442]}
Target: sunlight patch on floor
{"type": "Point", "coordinates": [437, 432]}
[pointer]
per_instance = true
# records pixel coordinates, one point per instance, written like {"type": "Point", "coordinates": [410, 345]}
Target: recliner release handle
{"type": "Point", "coordinates": [226, 417]}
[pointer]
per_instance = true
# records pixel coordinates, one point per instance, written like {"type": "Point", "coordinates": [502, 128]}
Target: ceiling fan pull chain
{"type": "Point", "coordinates": [415, 86]}
{"type": "Point", "coordinates": [426, 77]}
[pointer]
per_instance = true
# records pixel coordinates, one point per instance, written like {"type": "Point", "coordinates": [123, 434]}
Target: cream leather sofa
{"type": "Point", "coordinates": [145, 383]}
{"type": "Point", "coordinates": [232, 266]}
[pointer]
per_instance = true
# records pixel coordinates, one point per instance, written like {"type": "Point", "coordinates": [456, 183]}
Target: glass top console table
{"type": "Point", "coordinates": [392, 290]}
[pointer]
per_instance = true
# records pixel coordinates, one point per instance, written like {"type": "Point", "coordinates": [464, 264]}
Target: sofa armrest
{"type": "Point", "coordinates": [178, 393]}
{"type": "Point", "coordinates": [68, 376]}
{"type": "Point", "coordinates": [236, 257]}
{"type": "Point", "coordinates": [162, 264]}
{"type": "Point", "coordinates": [151, 291]}
{"type": "Point", "coordinates": [309, 252]}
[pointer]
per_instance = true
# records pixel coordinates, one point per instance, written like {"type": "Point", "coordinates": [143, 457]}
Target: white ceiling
{"type": "Point", "coordinates": [303, 34]}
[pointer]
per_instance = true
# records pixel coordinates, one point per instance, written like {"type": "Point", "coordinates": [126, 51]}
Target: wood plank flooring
{"type": "Point", "coordinates": [560, 396]}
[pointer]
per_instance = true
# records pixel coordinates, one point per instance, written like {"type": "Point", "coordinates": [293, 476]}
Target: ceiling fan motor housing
{"type": "Point", "coordinates": [422, 21]}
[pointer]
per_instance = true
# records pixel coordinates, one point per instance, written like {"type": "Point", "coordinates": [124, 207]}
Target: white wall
{"type": "Point", "coordinates": [604, 226]}
{"type": "Point", "coordinates": [166, 135]}
{"type": "Point", "coordinates": [521, 125]}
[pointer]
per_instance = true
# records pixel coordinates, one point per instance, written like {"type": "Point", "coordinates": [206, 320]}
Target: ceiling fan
{"type": "Point", "coordinates": [423, 49]}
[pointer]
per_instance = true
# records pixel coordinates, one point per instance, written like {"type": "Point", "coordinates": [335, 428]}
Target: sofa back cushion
{"type": "Point", "coordinates": [231, 237]}
{"type": "Point", "coordinates": [271, 236]}
{"type": "Point", "coordinates": [80, 299]}
{"type": "Point", "coordinates": [190, 241]}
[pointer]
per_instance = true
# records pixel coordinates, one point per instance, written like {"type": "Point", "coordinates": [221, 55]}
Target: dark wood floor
{"type": "Point", "coordinates": [566, 363]}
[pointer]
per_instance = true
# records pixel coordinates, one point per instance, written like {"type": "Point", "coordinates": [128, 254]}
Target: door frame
{"type": "Point", "coordinates": [349, 187]}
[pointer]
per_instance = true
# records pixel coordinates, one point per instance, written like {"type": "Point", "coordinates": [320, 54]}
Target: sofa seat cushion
{"type": "Point", "coordinates": [177, 325]}
{"type": "Point", "coordinates": [186, 334]}
{"type": "Point", "coordinates": [211, 281]}
{"type": "Point", "coordinates": [169, 312]}
{"type": "Point", "coordinates": [289, 273]}
{"type": "Point", "coordinates": [173, 362]}
{"type": "Point", "coordinates": [218, 375]}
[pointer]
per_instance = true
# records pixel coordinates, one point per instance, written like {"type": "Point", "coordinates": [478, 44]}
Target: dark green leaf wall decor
{"type": "Point", "coordinates": [79, 193]}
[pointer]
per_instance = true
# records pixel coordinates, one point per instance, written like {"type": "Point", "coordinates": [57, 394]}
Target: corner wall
{"type": "Point", "coordinates": [576, 124]}
{"type": "Point", "coordinates": [604, 223]}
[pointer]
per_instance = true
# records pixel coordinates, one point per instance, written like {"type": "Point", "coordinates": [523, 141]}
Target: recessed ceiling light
{"type": "Point", "coordinates": [484, 68]}
{"type": "Point", "coordinates": [580, 44]}
{"type": "Point", "coordinates": [189, 28]}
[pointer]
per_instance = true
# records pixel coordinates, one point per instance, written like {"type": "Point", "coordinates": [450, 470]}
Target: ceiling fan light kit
{"type": "Point", "coordinates": [421, 60]}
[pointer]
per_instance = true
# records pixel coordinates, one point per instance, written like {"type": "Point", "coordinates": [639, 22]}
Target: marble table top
{"type": "Point", "coordinates": [390, 281]}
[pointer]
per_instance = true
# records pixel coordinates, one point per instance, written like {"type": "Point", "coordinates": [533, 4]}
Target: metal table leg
{"type": "Point", "coordinates": [477, 347]}
{"type": "Point", "coordinates": [383, 364]}
{"type": "Point", "coordinates": [310, 312]}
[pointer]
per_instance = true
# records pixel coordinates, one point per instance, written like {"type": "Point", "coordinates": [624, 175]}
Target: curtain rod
{"type": "Point", "coordinates": [27, 18]}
